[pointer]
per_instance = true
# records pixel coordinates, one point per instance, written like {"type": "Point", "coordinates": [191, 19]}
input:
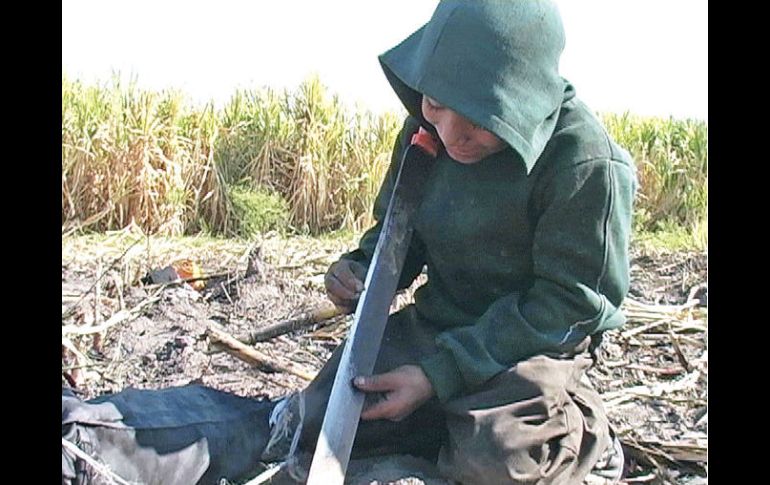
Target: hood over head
{"type": "Point", "coordinates": [495, 62]}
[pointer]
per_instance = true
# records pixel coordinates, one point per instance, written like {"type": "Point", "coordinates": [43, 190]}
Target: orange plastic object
{"type": "Point", "coordinates": [425, 141]}
{"type": "Point", "coordinates": [186, 268]}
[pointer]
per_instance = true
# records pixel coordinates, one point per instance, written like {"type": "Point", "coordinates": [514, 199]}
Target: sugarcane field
{"type": "Point", "coordinates": [210, 270]}
{"type": "Point", "coordinates": [492, 282]}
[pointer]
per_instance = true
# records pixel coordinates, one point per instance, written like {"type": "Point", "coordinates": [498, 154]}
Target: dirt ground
{"type": "Point", "coordinates": [652, 375]}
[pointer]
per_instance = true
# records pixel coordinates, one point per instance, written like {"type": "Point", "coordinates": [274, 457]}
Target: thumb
{"type": "Point", "coordinates": [375, 383]}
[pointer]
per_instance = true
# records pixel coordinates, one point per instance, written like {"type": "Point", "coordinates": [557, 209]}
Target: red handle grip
{"type": "Point", "coordinates": [425, 141]}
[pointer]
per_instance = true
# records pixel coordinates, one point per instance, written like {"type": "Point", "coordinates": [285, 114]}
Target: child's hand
{"type": "Point", "coordinates": [344, 283]}
{"type": "Point", "coordinates": [405, 389]}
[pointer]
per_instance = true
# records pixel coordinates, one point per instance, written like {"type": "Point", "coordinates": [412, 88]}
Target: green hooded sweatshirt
{"type": "Point", "coordinates": [526, 250]}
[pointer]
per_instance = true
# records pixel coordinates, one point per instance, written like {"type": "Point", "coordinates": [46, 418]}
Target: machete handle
{"type": "Point", "coordinates": [425, 140]}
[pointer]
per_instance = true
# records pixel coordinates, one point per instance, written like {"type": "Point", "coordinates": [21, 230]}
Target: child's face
{"type": "Point", "coordinates": [464, 141]}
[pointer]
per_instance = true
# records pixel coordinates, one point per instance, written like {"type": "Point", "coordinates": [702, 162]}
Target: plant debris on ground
{"type": "Point", "coordinates": [118, 332]}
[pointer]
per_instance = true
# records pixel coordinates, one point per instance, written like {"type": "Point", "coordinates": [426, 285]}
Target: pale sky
{"type": "Point", "coordinates": [646, 56]}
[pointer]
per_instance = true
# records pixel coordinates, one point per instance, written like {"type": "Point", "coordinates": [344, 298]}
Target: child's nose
{"type": "Point", "coordinates": [455, 130]}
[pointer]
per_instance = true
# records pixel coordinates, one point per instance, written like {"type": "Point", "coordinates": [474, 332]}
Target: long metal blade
{"type": "Point", "coordinates": [335, 442]}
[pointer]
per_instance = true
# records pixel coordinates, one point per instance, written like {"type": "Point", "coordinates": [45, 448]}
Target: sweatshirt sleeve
{"type": "Point", "coordinates": [415, 257]}
{"type": "Point", "coordinates": [581, 275]}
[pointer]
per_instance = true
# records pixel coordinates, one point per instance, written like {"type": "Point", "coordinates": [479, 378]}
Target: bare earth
{"type": "Point", "coordinates": [653, 374]}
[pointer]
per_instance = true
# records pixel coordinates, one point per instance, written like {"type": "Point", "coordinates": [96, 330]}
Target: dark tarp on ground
{"type": "Point", "coordinates": [182, 435]}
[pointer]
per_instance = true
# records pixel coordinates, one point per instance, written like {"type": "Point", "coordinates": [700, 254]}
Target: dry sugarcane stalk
{"type": "Point", "coordinates": [322, 259]}
{"type": "Point", "coordinates": [681, 450]}
{"type": "Point", "coordinates": [119, 290]}
{"type": "Point", "coordinates": [630, 305]}
{"type": "Point", "coordinates": [647, 457]}
{"type": "Point", "coordinates": [679, 354]}
{"type": "Point", "coordinates": [71, 310]}
{"type": "Point", "coordinates": [694, 290]}
{"type": "Point", "coordinates": [97, 337]}
{"type": "Point", "coordinates": [690, 325]}
{"type": "Point", "coordinates": [97, 466]}
{"type": "Point", "coordinates": [76, 225]}
{"type": "Point", "coordinates": [663, 390]}
{"type": "Point", "coordinates": [642, 329]}
{"type": "Point", "coordinates": [251, 355]}
{"type": "Point", "coordinates": [304, 320]}
{"type": "Point", "coordinates": [667, 371]}
{"type": "Point", "coordinates": [671, 453]}
{"type": "Point", "coordinates": [97, 295]}
{"type": "Point", "coordinates": [641, 479]}
{"type": "Point", "coordinates": [80, 357]}
{"type": "Point", "coordinates": [651, 339]}
{"type": "Point", "coordinates": [116, 318]}
{"type": "Point", "coordinates": [267, 475]}
{"type": "Point", "coordinates": [641, 454]}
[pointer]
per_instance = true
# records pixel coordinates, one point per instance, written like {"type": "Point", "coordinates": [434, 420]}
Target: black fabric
{"type": "Point", "coordinates": [182, 435]}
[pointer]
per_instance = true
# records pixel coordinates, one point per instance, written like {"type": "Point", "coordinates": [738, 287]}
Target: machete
{"type": "Point", "coordinates": [340, 424]}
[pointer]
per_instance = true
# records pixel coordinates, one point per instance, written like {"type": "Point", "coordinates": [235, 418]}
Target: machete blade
{"type": "Point", "coordinates": [340, 424]}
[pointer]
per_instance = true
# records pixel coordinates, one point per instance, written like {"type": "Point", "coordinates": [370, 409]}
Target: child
{"type": "Point", "coordinates": [523, 227]}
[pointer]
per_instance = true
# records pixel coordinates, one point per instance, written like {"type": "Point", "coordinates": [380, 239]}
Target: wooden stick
{"type": "Point", "coordinates": [251, 355]}
{"type": "Point", "coordinates": [304, 320]}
